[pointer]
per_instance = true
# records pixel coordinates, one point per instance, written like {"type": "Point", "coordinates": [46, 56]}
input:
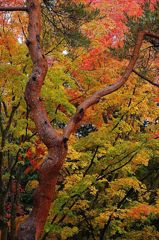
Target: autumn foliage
{"type": "Point", "coordinates": [89, 165]}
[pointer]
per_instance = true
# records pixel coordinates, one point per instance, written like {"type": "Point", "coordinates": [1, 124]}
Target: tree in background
{"type": "Point", "coordinates": [55, 141]}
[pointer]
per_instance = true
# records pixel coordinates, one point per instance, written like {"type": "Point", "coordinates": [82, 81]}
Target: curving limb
{"type": "Point", "coordinates": [96, 97]}
{"type": "Point", "coordinates": [146, 78]}
{"type": "Point", "coordinates": [33, 226]}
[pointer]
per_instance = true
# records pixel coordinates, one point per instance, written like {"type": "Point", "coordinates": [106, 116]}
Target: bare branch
{"type": "Point", "coordinates": [13, 9]}
{"type": "Point", "coordinates": [92, 161]}
{"type": "Point", "coordinates": [5, 108]}
{"type": "Point", "coordinates": [151, 34]}
{"type": "Point", "coordinates": [77, 83]}
{"type": "Point", "coordinates": [5, 131]}
{"type": "Point", "coordinates": [23, 31]}
{"type": "Point", "coordinates": [50, 51]}
{"type": "Point", "coordinates": [146, 78]}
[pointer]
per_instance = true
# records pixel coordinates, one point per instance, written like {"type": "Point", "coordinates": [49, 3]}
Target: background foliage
{"type": "Point", "coordinates": [108, 187]}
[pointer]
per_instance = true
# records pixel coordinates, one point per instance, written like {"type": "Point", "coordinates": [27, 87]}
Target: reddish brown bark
{"type": "Point", "coordinates": [11, 9]}
{"type": "Point", "coordinates": [96, 97]}
{"type": "Point", "coordinates": [57, 148]}
{"type": "Point", "coordinates": [56, 144]}
{"type": "Point", "coordinates": [146, 78]}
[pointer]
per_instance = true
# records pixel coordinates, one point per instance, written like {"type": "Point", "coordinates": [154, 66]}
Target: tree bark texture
{"type": "Point", "coordinates": [57, 147]}
{"type": "Point", "coordinates": [32, 227]}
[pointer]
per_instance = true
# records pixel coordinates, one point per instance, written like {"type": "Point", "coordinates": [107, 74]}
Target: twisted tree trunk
{"type": "Point", "coordinates": [57, 147]}
{"type": "Point", "coordinates": [32, 227]}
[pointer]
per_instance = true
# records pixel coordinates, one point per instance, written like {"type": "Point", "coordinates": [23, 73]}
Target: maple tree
{"type": "Point", "coordinates": [87, 67]}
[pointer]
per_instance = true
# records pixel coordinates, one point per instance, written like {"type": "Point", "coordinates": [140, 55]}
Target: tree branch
{"type": "Point", "coordinates": [50, 51]}
{"type": "Point", "coordinates": [96, 97]}
{"type": "Point", "coordinates": [89, 224]}
{"type": "Point", "coordinates": [13, 9]}
{"type": "Point", "coordinates": [5, 131]}
{"type": "Point", "coordinates": [151, 34]}
{"type": "Point", "coordinates": [145, 78]}
{"type": "Point", "coordinates": [91, 163]}
{"type": "Point", "coordinates": [106, 225]}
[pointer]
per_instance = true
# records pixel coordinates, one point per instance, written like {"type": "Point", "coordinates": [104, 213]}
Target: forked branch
{"type": "Point", "coordinates": [96, 97]}
{"type": "Point", "coordinates": [32, 227]}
